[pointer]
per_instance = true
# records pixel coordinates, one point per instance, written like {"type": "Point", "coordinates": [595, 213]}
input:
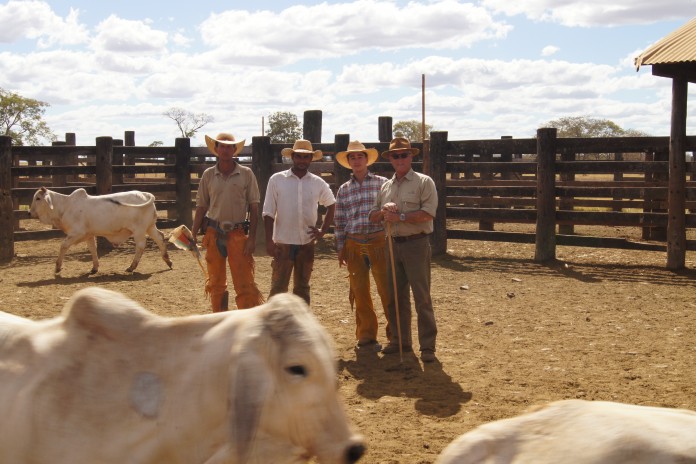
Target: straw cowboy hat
{"type": "Point", "coordinates": [301, 146]}
{"type": "Point", "coordinates": [400, 144]}
{"type": "Point", "coordinates": [224, 138]}
{"type": "Point", "coordinates": [356, 147]}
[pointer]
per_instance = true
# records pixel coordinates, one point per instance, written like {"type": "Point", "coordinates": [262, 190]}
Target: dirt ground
{"type": "Point", "coordinates": [597, 324]}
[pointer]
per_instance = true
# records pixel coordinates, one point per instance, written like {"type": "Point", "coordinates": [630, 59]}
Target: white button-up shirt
{"type": "Point", "coordinates": [292, 202]}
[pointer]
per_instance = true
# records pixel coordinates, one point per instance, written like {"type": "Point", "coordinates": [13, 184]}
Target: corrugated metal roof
{"type": "Point", "coordinates": [677, 47]}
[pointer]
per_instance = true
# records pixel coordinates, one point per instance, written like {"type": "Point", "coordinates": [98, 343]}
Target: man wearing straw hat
{"type": "Point", "coordinates": [290, 219]}
{"type": "Point", "coordinates": [360, 243]}
{"type": "Point", "coordinates": [228, 192]}
{"type": "Point", "coordinates": [407, 204]}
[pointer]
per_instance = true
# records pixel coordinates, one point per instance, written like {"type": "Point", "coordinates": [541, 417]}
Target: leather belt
{"type": "Point", "coordinates": [226, 226]}
{"type": "Point", "coordinates": [407, 238]}
{"type": "Point", "coordinates": [373, 235]}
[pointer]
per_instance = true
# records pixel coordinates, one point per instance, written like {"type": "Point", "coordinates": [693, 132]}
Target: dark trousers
{"type": "Point", "coordinates": [297, 260]}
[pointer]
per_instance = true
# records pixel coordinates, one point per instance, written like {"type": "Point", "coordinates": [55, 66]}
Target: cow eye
{"type": "Point", "coordinates": [297, 370]}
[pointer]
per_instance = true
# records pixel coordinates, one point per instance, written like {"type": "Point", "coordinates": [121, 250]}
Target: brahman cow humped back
{"type": "Point", "coordinates": [117, 216]}
{"type": "Point", "coordinates": [109, 382]}
{"type": "Point", "coordinates": [581, 432]}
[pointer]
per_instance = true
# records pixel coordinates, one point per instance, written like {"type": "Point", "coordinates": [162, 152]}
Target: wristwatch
{"type": "Point", "coordinates": [402, 217]}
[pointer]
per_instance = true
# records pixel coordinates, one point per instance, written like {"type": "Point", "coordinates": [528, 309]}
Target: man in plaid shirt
{"type": "Point", "coordinates": [361, 244]}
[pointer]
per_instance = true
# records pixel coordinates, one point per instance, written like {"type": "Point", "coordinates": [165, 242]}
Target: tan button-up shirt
{"type": "Point", "coordinates": [413, 192]}
{"type": "Point", "coordinates": [227, 198]}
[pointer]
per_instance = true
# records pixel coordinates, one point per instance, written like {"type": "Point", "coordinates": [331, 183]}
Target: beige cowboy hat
{"type": "Point", "coordinates": [356, 147]}
{"type": "Point", "coordinates": [400, 144]}
{"type": "Point", "coordinates": [224, 138]}
{"type": "Point", "coordinates": [301, 146]}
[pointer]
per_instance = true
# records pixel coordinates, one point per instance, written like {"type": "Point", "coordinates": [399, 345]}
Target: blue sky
{"type": "Point", "coordinates": [492, 67]}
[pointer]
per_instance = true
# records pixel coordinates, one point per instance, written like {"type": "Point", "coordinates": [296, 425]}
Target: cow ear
{"type": "Point", "coordinates": [248, 392]}
{"type": "Point", "coordinates": [47, 198]}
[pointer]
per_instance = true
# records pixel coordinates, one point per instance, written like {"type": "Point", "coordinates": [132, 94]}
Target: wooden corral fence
{"type": "Point", "coordinates": [546, 181]}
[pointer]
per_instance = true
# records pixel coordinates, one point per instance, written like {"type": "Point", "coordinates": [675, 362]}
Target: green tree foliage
{"type": "Point", "coordinates": [586, 127]}
{"type": "Point", "coordinates": [412, 130]}
{"type": "Point", "coordinates": [283, 127]}
{"type": "Point", "coordinates": [22, 119]}
{"type": "Point", "coordinates": [188, 122]}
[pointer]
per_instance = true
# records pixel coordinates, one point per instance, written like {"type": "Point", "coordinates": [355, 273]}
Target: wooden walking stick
{"type": "Point", "coordinates": [396, 295]}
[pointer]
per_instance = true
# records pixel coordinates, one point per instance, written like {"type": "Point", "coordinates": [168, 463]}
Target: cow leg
{"type": "Point", "coordinates": [158, 237]}
{"type": "Point", "coordinates": [139, 249]}
{"type": "Point", "coordinates": [92, 246]}
{"type": "Point", "coordinates": [69, 241]}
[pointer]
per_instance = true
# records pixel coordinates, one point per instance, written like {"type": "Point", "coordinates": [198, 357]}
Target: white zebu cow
{"type": "Point", "coordinates": [117, 216]}
{"type": "Point", "coordinates": [581, 432]}
{"type": "Point", "coordinates": [109, 382]}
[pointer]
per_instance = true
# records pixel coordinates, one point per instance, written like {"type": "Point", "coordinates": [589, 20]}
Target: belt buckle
{"type": "Point", "coordinates": [227, 226]}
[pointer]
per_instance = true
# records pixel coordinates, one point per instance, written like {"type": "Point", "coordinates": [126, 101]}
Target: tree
{"type": "Point", "coordinates": [22, 119]}
{"type": "Point", "coordinates": [156, 143]}
{"type": "Point", "coordinates": [283, 127]}
{"type": "Point", "coordinates": [412, 130]}
{"type": "Point", "coordinates": [586, 127]}
{"type": "Point", "coordinates": [188, 122]}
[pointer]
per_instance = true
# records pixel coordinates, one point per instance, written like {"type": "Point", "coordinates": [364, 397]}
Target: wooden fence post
{"type": "Point", "coordinates": [59, 180]}
{"type": "Point", "coordinates": [183, 181]}
{"type": "Point", "coordinates": [129, 141]}
{"type": "Point", "coordinates": [341, 174]}
{"type": "Point", "coordinates": [546, 195]}
{"type": "Point", "coordinates": [486, 176]}
{"type": "Point", "coordinates": [7, 221]}
{"type": "Point", "coordinates": [384, 125]}
{"type": "Point", "coordinates": [105, 153]}
{"type": "Point", "coordinates": [438, 172]}
{"type": "Point", "coordinates": [262, 165]}
{"type": "Point", "coordinates": [72, 160]}
{"type": "Point", "coordinates": [676, 198]}
{"type": "Point", "coordinates": [311, 126]}
{"type": "Point", "coordinates": [117, 160]}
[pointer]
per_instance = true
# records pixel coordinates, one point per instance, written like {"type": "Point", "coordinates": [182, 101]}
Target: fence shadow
{"type": "Point", "coordinates": [92, 279]}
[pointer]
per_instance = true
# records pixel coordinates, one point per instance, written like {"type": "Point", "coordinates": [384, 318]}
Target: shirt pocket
{"type": "Point", "coordinates": [411, 202]}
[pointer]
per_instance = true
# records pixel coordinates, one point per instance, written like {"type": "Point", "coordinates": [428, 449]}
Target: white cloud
{"type": "Point", "coordinates": [588, 13]}
{"type": "Point", "coordinates": [36, 20]}
{"type": "Point", "coordinates": [549, 50]}
{"type": "Point", "coordinates": [115, 34]}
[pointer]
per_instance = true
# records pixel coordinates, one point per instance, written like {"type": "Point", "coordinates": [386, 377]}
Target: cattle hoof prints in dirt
{"type": "Point", "coordinates": [107, 381]}
{"type": "Point", "coordinates": [116, 216]}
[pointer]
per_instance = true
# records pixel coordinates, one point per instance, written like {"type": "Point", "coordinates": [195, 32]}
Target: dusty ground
{"type": "Point", "coordinates": [597, 324]}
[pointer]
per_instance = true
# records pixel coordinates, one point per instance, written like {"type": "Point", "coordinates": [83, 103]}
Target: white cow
{"type": "Point", "coordinates": [117, 216]}
{"type": "Point", "coordinates": [109, 382]}
{"type": "Point", "coordinates": [581, 432]}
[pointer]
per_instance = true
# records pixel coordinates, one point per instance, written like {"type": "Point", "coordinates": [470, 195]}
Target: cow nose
{"type": "Point", "coordinates": [354, 453]}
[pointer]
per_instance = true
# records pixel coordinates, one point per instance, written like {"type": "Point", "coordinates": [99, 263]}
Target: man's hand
{"type": "Point", "coordinates": [271, 249]}
{"type": "Point", "coordinates": [249, 246]}
{"type": "Point", "coordinates": [342, 257]}
{"type": "Point", "coordinates": [315, 233]}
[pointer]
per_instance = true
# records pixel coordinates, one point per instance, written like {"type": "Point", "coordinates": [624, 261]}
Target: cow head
{"type": "Point", "coordinates": [284, 404]}
{"type": "Point", "coordinates": [41, 204]}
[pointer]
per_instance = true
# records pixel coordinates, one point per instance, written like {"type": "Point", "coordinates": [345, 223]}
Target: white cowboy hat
{"type": "Point", "coordinates": [400, 144]}
{"type": "Point", "coordinates": [301, 146]}
{"type": "Point", "coordinates": [356, 147]}
{"type": "Point", "coordinates": [224, 138]}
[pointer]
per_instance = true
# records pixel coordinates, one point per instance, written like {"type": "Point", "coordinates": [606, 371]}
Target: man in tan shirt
{"type": "Point", "coordinates": [228, 192]}
{"type": "Point", "coordinates": [407, 203]}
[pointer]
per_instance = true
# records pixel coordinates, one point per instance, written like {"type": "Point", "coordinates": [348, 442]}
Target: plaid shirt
{"type": "Point", "coordinates": [353, 203]}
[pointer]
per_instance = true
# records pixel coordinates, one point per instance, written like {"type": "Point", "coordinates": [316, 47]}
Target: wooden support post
{"type": "Point", "coordinates": [487, 177]}
{"type": "Point", "coordinates": [129, 160]}
{"type": "Point", "coordinates": [676, 200]}
{"type": "Point", "coordinates": [103, 181]}
{"type": "Point", "coordinates": [384, 126]}
{"type": "Point", "coordinates": [438, 172]}
{"type": "Point", "coordinates": [72, 160]}
{"type": "Point", "coordinates": [546, 195]}
{"type": "Point", "coordinates": [117, 160]}
{"type": "Point", "coordinates": [341, 174]}
{"type": "Point", "coordinates": [311, 126]}
{"type": "Point", "coordinates": [183, 182]}
{"type": "Point", "coordinates": [566, 202]}
{"type": "Point", "coordinates": [262, 165]}
{"type": "Point", "coordinates": [7, 222]}
{"type": "Point", "coordinates": [59, 180]}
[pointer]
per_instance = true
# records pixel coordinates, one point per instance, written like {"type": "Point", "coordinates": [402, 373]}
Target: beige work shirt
{"type": "Point", "coordinates": [413, 192]}
{"type": "Point", "coordinates": [227, 198]}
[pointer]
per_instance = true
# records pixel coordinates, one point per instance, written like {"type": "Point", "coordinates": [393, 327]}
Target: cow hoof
{"type": "Point", "coordinates": [93, 271]}
{"type": "Point", "coordinates": [130, 269]}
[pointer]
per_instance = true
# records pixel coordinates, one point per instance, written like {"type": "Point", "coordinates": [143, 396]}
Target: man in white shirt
{"type": "Point", "coordinates": [290, 219]}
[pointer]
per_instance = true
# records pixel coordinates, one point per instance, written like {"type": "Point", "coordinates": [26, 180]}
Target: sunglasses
{"type": "Point", "coordinates": [399, 155]}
